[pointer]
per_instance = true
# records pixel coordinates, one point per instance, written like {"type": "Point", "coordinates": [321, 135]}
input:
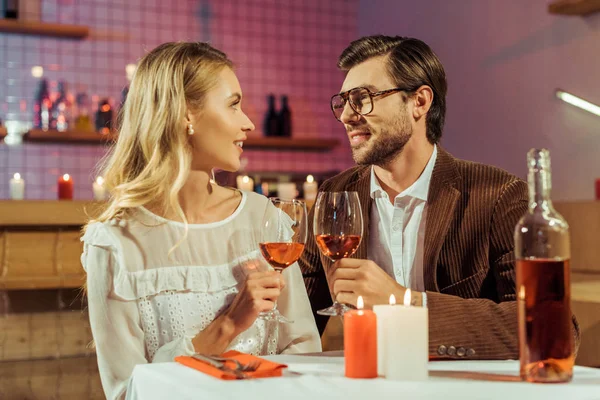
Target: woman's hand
{"type": "Point", "coordinates": [259, 293]}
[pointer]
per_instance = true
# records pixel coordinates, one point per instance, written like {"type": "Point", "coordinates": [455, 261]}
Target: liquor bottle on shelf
{"type": "Point", "coordinates": [10, 9]}
{"type": "Point", "coordinates": [104, 117]}
{"type": "Point", "coordinates": [284, 119]}
{"type": "Point", "coordinates": [41, 106]}
{"type": "Point", "coordinates": [61, 109]}
{"type": "Point", "coordinates": [270, 125]}
{"type": "Point", "coordinates": [83, 121]}
{"type": "Point", "coordinates": [542, 252]}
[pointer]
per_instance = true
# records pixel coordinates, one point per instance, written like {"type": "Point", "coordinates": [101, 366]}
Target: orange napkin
{"type": "Point", "coordinates": [266, 369]}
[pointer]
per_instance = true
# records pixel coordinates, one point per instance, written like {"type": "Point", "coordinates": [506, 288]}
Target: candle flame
{"type": "Point", "coordinates": [246, 179]}
{"type": "Point", "coordinates": [310, 179]}
{"type": "Point", "coordinates": [100, 180]}
{"type": "Point", "coordinates": [66, 177]}
{"type": "Point", "coordinates": [522, 292]}
{"type": "Point", "coordinates": [392, 300]}
{"type": "Point", "coordinates": [407, 297]}
{"type": "Point", "coordinates": [130, 71]}
{"type": "Point", "coordinates": [360, 303]}
{"type": "Point", "coordinates": [17, 176]}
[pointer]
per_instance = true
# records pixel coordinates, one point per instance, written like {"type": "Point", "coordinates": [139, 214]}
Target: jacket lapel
{"type": "Point", "coordinates": [362, 185]}
{"type": "Point", "coordinates": [441, 201]}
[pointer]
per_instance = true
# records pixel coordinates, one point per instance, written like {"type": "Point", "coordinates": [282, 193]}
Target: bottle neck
{"type": "Point", "coordinates": [539, 188]}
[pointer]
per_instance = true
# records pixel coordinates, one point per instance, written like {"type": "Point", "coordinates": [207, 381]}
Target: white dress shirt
{"type": "Point", "coordinates": [397, 231]}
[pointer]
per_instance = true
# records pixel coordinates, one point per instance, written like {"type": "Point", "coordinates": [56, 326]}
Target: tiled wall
{"type": "Point", "coordinates": [503, 68]}
{"type": "Point", "coordinates": [281, 47]}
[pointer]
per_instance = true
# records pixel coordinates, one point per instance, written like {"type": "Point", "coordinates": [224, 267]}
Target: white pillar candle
{"type": "Point", "coordinates": [17, 187]}
{"type": "Point", "coordinates": [310, 188]}
{"type": "Point", "coordinates": [383, 313]}
{"type": "Point", "coordinates": [405, 340]}
{"type": "Point", "coordinates": [245, 183]}
{"type": "Point", "coordinates": [99, 189]}
{"type": "Point", "coordinates": [287, 190]}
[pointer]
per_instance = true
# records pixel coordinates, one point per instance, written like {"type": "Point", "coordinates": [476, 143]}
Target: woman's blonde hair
{"type": "Point", "coordinates": [151, 159]}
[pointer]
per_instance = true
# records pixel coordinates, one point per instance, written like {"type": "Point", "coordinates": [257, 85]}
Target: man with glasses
{"type": "Point", "coordinates": [441, 226]}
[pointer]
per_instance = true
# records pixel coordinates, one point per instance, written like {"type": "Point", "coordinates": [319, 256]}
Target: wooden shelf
{"type": "Point", "coordinates": [290, 143]}
{"type": "Point", "coordinates": [44, 29]}
{"type": "Point", "coordinates": [574, 7]}
{"type": "Point", "coordinates": [45, 213]}
{"type": "Point", "coordinates": [53, 136]}
{"type": "Point", "coordinates": [268, 143]}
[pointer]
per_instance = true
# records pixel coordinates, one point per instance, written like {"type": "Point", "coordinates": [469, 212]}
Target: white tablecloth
{"type": "Point", "coordinates": [322, 377]}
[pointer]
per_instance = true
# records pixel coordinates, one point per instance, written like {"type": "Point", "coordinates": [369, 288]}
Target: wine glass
{"type": "Point", "coordinates": [283, 236]}
{"type": "Point", "coordinates": [338, 229]}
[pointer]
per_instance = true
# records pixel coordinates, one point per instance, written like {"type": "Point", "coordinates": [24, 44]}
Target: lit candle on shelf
{"type": "Point", "coordinates": [65, 187]}
{"type": "Point", "coordinates": [404, 338]}
{"type": "Point", "coordinates": [310, 189]}
{"type": "Point", "coordinates": [287, 190]}
{"type": "Point", "coordinates": [360, 342]}
{"type": "Point", "coordinates": [17, 187]}
{"type": "Point", "coordinates": [245, 183]}
{"type": "Point", "coordinates": [99, 190]}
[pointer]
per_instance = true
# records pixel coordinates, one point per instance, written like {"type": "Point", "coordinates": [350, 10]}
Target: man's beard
{"type": "Point", "coordinates": [380, 150]}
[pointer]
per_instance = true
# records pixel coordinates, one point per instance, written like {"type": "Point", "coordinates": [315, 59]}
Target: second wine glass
{"type": "Point", "coordinates": [283, 237]}
{"type": "Point", "coordinates": [338, 229]}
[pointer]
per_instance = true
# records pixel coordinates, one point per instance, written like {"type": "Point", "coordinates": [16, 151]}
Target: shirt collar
{"type": "Point", "coordinates": [419, 189]}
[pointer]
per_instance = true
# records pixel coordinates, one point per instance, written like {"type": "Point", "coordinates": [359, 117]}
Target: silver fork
{"type": "Point", "coordinates": [250, 367]}
{"type": "Point", "coordinates": [221, 365]}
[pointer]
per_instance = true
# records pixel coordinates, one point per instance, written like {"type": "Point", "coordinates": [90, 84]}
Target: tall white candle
{"type": "Point", "coordinates": [310, 188]}
{"type": "Point", "coordinates": [245, 183]}
{"type": "Point", "coordinates": [405, 340]}
{"type": "Point", "coordinates": [17, 187]}
{"type": "Point", "coordinates": [99, 189]}
{"type": "Point", "coordinates": [384, 313]}
{"type": "Point", "coordinates": [287, 190]}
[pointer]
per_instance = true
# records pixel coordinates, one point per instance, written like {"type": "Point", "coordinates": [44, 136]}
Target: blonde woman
{"type": "Point", "coordinates": [172, 262]}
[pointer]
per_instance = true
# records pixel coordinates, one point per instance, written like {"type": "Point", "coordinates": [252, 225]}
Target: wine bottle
{"type": "Point", "coordinates": [11, 9]}
{"type": "Point", "coordinates": [270, 123]}
{"type": "Point", "coordinates": [284, 119]}
{"type": "Point", "coordinates": [542, 252]}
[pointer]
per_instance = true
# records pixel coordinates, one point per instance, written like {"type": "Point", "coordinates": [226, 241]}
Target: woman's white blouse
{"type": "Point", "coordinates": [150, 293]}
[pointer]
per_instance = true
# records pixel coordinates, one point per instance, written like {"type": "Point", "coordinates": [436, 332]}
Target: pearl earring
{"type": "Point", "coordinates": [190, 130]}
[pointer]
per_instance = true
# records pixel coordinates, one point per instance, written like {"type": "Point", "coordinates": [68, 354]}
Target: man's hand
{"type": "Point", "coordinates": [349, 278]}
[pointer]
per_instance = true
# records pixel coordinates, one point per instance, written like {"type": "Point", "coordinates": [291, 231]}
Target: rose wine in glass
{"type": "Point", "coordinates": [281, 255]}
{"type": "Point", "coordinates": [338, 228]}
{"type": "Point", "coordinates": [283, 237]}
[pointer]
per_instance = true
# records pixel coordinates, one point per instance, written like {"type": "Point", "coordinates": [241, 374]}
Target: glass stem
{"type": "Point", "coordinates": [274, 310]}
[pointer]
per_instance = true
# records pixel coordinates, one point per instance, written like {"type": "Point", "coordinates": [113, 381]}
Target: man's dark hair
{"type": "Point", "coordinates": [411, 63]}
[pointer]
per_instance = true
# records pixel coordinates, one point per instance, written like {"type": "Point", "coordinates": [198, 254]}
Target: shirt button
{"type": "Point", "coordinates": [461, 352]}
{"type": "Point", "coordinates": [470, 353]}
{"type": "Point", "coordinates": [442, 350]}
{"type": "Point", "coordinates": [451, 350]}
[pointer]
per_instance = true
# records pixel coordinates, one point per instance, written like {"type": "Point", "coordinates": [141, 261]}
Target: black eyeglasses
{"type": "Point", "coordinates": [361, 100]}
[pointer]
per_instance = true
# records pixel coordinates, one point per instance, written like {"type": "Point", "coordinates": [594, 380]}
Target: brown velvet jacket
{"type": "Point", "coordinates": [468, 263]}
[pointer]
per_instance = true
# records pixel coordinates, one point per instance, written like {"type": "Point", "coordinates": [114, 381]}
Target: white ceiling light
{"type": "Point", "coordinates": [37, 71]}
{"type": "Point", "coordinates": [578, 102]}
